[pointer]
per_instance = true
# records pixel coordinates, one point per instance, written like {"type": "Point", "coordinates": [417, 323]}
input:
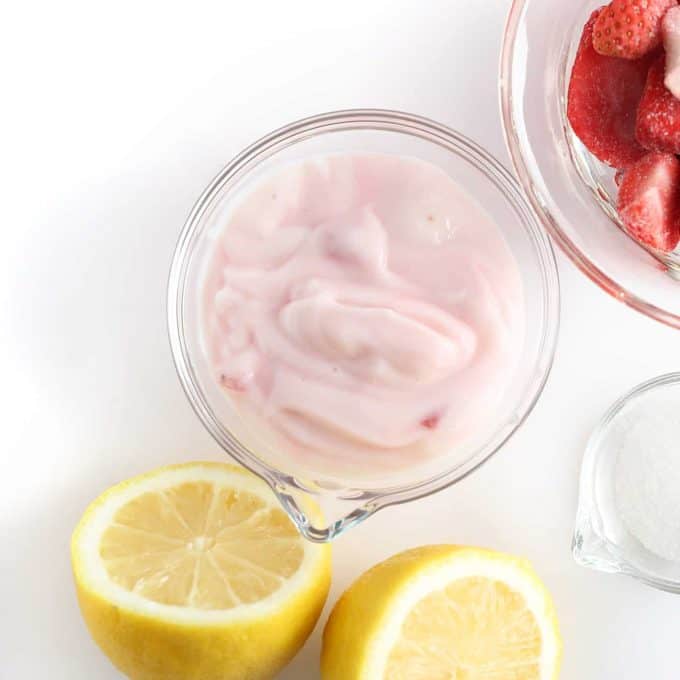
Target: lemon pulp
{"type": "Point", "coordinates": [478, 627]}
{"type": "Point", "coordinates": [200, 546]}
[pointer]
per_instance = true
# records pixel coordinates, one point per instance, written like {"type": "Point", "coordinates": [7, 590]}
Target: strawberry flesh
{"type": "Point", "coordinates": [658, 119]}
{"type": "Point", "coordinates": [431, 422]}
{"type": "Point", "coordinates": [649, 201]}
{"type": "Point", "coordinates": [671, 43]}
{"type": "Point", "coordinates": [603, 98]}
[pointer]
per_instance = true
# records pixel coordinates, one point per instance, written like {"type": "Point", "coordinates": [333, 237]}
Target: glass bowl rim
{"type": "Point", "coordinates": [521, 167]}
{"type": "Point", "coordinates": [366, 120]}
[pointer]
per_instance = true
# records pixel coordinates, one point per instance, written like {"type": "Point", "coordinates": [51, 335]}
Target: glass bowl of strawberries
{"type": "Point", "coordinates": [590, 98]}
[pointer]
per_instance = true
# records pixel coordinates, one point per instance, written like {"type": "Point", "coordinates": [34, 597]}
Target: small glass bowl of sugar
{"type": "Point", "coordinates": [629, 506]}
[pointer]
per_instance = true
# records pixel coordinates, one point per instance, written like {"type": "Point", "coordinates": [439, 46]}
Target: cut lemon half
{"type": "Point", "coordinates": [444, 612]}
{"type": "Point", "coordinates": [194, 572]}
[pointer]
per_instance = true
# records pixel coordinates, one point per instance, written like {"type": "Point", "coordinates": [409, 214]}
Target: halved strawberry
{"type": "Point", "coordinates": [604, 93]}
{"type": "Point", "coordinates": [671, 43]}
{"type": "Point", "coordinates": [658, 119]}
{"type": "Point", "coordinates": [630, 28]}
{"type": "Point", "coordinates": [649, 201]}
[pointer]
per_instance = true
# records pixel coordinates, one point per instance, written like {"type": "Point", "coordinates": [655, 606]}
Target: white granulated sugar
{"type": "Point", "coordinates": [648, 472]}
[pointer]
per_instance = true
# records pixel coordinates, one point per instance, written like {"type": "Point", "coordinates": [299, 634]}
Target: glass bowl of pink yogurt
{"type": "Point", "coordinates": [572, 192]}
{"type": "Point", "coordinates": [362, 308]}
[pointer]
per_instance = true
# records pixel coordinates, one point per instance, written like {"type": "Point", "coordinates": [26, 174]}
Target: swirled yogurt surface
{"type": "Point", "coordinates": [363, 304]}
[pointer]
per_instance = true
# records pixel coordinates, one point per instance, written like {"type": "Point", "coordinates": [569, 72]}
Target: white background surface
{"type": "Point", "coordinates": [114, 119]}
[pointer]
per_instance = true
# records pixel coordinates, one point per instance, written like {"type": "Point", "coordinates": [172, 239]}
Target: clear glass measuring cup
{"type": "Point", "coordinates": [604, 539]}
{"type": "Point", "coordinates": [350, 496]}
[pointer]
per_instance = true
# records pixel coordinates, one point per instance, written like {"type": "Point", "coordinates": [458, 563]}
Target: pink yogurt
{"type": "Point", "coordinates": [363, 305]}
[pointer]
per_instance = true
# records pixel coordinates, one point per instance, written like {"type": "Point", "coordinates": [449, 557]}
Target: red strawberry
{"type": "Point", "coordinates": [630, 28]}
{"type": "Point", "coordinates": [604, 93]}
{"type": "Point", "coordinates": [658, 120]}
{"type": "Point", "coordinates": [649, 201]}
